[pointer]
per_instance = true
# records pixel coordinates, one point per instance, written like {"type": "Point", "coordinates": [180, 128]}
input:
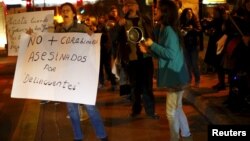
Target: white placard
{"type": "Point", "coordinates": [3, 39]}
{"type": "Point", "coordinates": [40, 22]}
{"type": "Point", "coordinates": [58, 67]}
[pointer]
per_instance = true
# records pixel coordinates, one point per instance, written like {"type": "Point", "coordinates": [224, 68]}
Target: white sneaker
{"type": "Point", "coordinates": [189, 138]}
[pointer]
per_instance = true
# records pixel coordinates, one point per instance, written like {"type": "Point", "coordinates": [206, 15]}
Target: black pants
{"type": "Point", "coordinates": [105, 64]}
{"type": "Point", "coordinates": [141, 81]}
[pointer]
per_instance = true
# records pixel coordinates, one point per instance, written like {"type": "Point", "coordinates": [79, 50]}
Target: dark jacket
{"type": "Point", "coordinates": [216, 32]}
{"type": "Point", "coordinates": [192, 36]}
{"type": "Point", "coordinates": [74, 28]}
{"type": "Point", "coordinates": [125, 48]}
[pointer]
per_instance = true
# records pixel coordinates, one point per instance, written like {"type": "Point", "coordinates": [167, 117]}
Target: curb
{"type": "Point", "coordinates": [28, 123]}
{"type": "Point", "coordinates": [210, 105]}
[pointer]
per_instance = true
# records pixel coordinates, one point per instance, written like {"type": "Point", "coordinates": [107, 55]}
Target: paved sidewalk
{"type": "Point", "coordinates": [210, 103]}
{"type": "Point", "coordinates": [207, 101]}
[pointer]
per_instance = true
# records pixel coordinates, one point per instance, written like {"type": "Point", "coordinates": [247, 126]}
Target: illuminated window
{"type": "Point", "coordinates": [213, 1]}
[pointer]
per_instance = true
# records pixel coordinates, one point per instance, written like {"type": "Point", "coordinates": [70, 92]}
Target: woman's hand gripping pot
{"type": "Point", "coordinates": [145, 45]}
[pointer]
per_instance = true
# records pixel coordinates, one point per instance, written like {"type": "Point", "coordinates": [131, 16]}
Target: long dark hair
{"type": "Point", "coordinates": [72, 8]}
{"type": "Point", "coordinates": [183, 18]}
{"type": "Point", "coordinates": [170, 17]}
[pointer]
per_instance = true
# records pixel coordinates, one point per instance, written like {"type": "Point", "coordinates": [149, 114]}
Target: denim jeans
{"type": "Point", "coordinates": [192, 58]}
{"type": "Point", "coordinates": [177, 119]}
{"type": "Point", "coordinates": [95, 120]}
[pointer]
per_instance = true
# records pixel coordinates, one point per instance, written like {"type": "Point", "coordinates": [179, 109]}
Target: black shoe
{"type": "Point", "coordinates": [154, 116]}
{"type": "Point", "coordinates": [104, 139]}
{"type": "Point", "coordinates": [226, 102]}
{"type": "Point", "coordinates": [78, 140]}
{"type": "Point", "coordinates": [113, 88]}
{"type": "Point", "coordinates": [219, 87]}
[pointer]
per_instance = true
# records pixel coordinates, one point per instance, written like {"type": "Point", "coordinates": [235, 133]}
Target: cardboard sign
{"type": "Point", "coordinates": [3, 38]}
{"type": "Point", "coordinates": [40, 22]}
{"type": "Point", "coordinates": [58, 67]}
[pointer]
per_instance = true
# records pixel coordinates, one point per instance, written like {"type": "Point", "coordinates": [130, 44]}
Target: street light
{"type": "Point", "coordinates": [28, 5]}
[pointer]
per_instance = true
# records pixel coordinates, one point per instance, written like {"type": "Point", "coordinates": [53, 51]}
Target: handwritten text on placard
{"type": "Point", "coordinates": [40, 22]}
{"type": "Point", "coordinates": [66, 65]}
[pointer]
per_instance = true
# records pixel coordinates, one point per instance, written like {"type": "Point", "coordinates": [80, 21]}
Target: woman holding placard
{"type": "Point", "coordinates": [70, 24]}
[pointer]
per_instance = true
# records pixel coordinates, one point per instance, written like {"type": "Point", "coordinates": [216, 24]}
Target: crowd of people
{"type": "Point", "coordinates": [228, 51]}
{"type": "Point", "coordinates": [130, 41]}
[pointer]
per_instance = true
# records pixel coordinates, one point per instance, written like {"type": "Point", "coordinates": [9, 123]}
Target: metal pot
{"type": "Point", "coordinates": [135, 34]}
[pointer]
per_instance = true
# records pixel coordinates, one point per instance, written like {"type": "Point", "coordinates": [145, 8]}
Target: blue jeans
{"type": "Point", "coordinates": [193, 64]}
{"type": "Point", "coordinates": [176, 117]}
{"type": "Point", "coordinates": [95, 120]}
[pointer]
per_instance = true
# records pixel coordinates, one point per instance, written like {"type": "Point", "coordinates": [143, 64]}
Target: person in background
{"type": "Point", "coordinates": [172, 72]}
{"type": "Point", "coordinates": [191, 28]}
{"type": "Point", "coordinates": [111, 24]}
{"type": "Point", "coordinates": [139, 66]}
{"type": "Point", "coordinates": [106, 54]}
{"type": "Point", "coordinates": [246, 7]}
{"type": "Point", "coordinates": [238, 50]}
{"type": "Point", "coordinates": [216, 29]}
{"type": "Point", "coordinates": [124, 10]}
{"type": "Point", "coordinates": [179, 6]}
{"type": "Point", "coordinates": [91, 22]}
{"type": "Point", "coordinates": [98, 25]}
{"type": "Point", "coordinates": [70, 24]}
{"type": "Point", "coordinates": [119, 71]}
